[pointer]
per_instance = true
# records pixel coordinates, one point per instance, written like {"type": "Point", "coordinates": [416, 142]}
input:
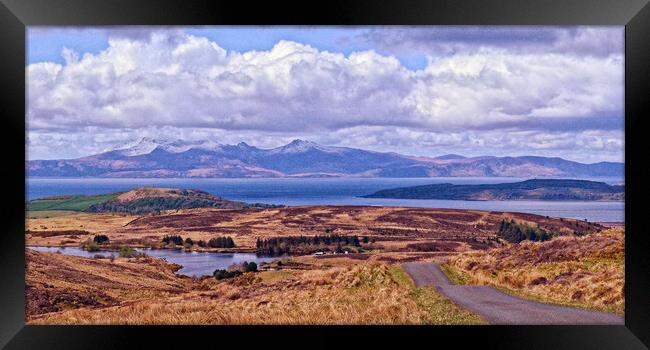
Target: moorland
{"type": "Point", "coordinates": [333, 264]}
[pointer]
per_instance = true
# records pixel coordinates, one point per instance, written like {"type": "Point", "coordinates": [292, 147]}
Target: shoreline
{"type": "Point", "coordinates": [143, 247]}
{"type": "Point", "coordinates": [612, 224]}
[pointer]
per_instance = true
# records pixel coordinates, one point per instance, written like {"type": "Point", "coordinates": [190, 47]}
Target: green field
{"type": "Point", "coordinates": [71, 203]}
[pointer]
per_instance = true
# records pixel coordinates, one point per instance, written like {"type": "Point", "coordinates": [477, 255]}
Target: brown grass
{"type": "Point", "coordinates": [359, 293]}
{"type": "Point", "coordinates": [470, 229]}
{"type": "Point", "coordinates": [348, 288]}
{"type": "Point", "coordinates": [56, 282]}
{"type": "Point", "coordinates": [46, 214]}
{"type": "Point", "coordinates": [584, 271]}
{"type": "Point", "coordinates": [53, 233]}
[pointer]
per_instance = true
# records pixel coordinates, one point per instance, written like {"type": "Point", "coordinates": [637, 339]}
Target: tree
{"type": "Point", "coordinates": [249, 266]}
{"type": "Point", "coordinates": [515, 233]}
{"type": "Point", "coordinates": [175, 239]}
{"type": "Point", "coordinates": [221, 242]}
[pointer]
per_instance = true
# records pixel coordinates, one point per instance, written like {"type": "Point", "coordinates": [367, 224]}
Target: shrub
{"type": "Point", "coordinates": [91, 247]}
{"type": "Point", "coordinates": [220, 274]}
{"type": "Point", "coordinates": [128, 252]}
{"type": "Point", "coordinates": [202, 244]}
{"type": "Point", "coordinates": [188, 241]}
{"type": "Point", "coordinates": [249, 266]}
{"type": "Point", "coordinates": [99, 239]}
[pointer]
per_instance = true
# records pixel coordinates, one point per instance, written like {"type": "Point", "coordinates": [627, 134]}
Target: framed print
{"type": "Point", "coordinates": [201, 171]}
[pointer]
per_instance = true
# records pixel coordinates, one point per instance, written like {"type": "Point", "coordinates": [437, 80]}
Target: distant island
{"type": "Point", "coordinates": [544, 189]}
{"type": "Point", "coordinates": [150, 158]}
{"type": "Point", "coordinates": [138, 201]}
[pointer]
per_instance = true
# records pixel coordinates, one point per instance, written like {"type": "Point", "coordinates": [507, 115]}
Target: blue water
{"type": "Point", "coordinates": [334, 191]}
{"type": "Point", "coordinates": [194, 263]}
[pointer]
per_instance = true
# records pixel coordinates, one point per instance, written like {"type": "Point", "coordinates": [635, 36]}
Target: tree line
{"type": "Point", "coordinates": [306, 244]}
{"type": "Point", "coordinates": [158, 204]}
{"type": "Point", "coordinates": [217, 242]}
{"type": "Point", "coordinates": [153, 204]}
{"type": "Point", "coordinates": [515, 232]}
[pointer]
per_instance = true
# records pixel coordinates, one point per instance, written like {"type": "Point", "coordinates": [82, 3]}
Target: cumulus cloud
{"type": "Point", "coordinates": [170, 82]}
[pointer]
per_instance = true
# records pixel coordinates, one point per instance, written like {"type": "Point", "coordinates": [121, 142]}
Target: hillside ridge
{"type": "Point", "coordinates": [535, 189]}
{"type": "Point", "coordinates": [138, 201]}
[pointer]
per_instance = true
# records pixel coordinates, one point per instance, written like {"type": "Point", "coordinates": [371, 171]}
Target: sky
{"type": "Point", "coordinates": [423, 91]}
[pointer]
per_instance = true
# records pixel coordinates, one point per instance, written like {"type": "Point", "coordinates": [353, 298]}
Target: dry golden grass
{"type": "Point", "coordinates": [58, 282]}
{"type": "Point", "coordinates": [394, 228]}
{"type": "Point", "coordinates": [93, 223]}
{"type": "Point", "coordinates": [584, 271]}
{"type": "Point", "coordinates": [46, 214]}
{"type": "Point", "coordinates": [363, 293]}
{"type": "Point", "coordinates": [147, 192]}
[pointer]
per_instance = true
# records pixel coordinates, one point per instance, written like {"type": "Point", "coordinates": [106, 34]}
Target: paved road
{"type": "Point", "coordinates": [500, 308]}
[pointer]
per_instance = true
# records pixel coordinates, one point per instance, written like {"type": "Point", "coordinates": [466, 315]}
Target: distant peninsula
{"type": "Point", "coordinates": [537, 189]}
{"type": "Point", "coordinates": [138, 201]}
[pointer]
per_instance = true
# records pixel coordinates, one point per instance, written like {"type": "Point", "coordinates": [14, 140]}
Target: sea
{"type": "Point", "coordinates": [335, 191]}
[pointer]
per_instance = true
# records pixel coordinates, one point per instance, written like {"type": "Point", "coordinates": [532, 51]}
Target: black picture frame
{"type": "Point", "coordinates": [15, 15]}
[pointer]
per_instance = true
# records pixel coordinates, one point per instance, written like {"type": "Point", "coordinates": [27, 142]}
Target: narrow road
{"type": "Point", "coordinates": [500, 308]}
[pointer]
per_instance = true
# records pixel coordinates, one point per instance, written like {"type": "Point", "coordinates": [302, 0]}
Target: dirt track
{"type": "Point", "coordinates": [500, 308]}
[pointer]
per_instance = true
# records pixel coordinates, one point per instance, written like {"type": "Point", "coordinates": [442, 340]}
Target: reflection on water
{"type": "Point", "coordinates": [194, 263]}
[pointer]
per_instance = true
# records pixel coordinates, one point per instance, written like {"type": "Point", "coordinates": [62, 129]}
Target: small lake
{"type": "Point", "coordinates": [335, 191]}
{"type": "Point", "coordinates": [194, 263]}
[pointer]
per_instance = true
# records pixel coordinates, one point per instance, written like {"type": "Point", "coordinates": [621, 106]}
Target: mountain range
{"type": "Point", "coordinates": [162, 158]}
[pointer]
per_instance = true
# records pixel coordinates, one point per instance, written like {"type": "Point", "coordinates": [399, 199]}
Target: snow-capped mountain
{"type": "Point", "coordinates": [146, 145]}
{"type": "Point", "coordinates": [175, 158]}
{"type": "Point", "coordinates": [299, 146]}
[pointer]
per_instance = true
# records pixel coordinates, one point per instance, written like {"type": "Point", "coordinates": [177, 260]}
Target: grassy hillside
{"type": "Point", "coordinates": [71, 203]}
{"type": "Point", "coordinates": [146, 291]}
{"type": "Point", "coordinates": [137, 201]}
{"type": "Point", "coordinates": [583, 271]}
{"type": "Point", "coordinates": [159, 203]}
